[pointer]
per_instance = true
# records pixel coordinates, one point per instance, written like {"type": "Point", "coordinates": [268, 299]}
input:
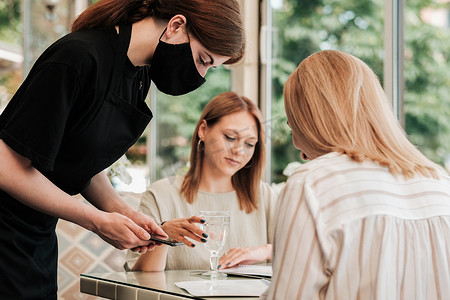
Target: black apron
{"type": "Point", "coordinates": [28, 242]}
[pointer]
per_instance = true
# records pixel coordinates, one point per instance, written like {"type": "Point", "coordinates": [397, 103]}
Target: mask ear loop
{"type": "Point", "coordinates": [164, 31]}
{"type": "Point", "coordinates": [187, 33]}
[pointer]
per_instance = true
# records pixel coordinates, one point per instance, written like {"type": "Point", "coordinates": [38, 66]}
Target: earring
{"type": "Point", "coordinates": [303, 155]}
{"type": "Point", "coordinates": [200, 147]}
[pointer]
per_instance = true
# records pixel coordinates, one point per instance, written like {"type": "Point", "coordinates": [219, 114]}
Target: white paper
{"type": "Point", "coordinates": [254, 270]}
{"type": "Point", "coordinates": [230, 288]}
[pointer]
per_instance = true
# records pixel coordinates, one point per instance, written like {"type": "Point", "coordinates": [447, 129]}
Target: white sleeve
{"type": "Point", "coordinates": [297, 251]}
{"type": "Point", "coordinates": [269, 197]}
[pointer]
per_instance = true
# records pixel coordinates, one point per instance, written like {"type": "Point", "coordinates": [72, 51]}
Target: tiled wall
{"type": "Point", "coordinates": [81, 251]}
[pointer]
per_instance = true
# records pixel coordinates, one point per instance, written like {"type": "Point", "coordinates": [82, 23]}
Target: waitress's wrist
{"type": "Point", "coordinates": [91, 218]}
{"type": "Point", "coordinates": [125, 209]}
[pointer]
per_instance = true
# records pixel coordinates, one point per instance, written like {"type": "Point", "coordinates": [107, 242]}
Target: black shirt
{"type": "Point", "coordinates": [64, 93]}
{"type": "Point", "coordinates": [79, 109]}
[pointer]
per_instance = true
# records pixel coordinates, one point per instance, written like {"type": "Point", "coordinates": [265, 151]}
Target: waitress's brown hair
{"type": "Point", "coordinates": [216, 24]}
{"type": "Point", "coordinates": [246, 181]}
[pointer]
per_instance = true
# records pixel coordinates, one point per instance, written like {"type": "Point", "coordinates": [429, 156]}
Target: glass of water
{"type": "Point", "coordinates": [216, 226]}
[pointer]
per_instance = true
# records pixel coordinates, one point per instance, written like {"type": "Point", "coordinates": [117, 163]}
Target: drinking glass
{"type": "Point", "coordinates": [216, 226]}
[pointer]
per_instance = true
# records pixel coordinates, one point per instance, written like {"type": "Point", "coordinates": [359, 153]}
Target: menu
{"type": "Point", "coordinates": [250, 270]}
{"type": "Point", "coordinates": [229, 288]}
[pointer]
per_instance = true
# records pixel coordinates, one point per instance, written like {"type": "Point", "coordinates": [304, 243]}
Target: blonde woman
{"type": "Point", "coordinates": [227, 157]}
{"type": "Point", "coordinates": [369, 216]}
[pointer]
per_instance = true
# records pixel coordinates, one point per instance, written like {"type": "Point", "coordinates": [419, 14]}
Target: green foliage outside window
{"type": "Point", "coordinates": [10, 24]}
{"type": "Point", "coordinates": [356, 26]}
{"type": "Point", "coordinates": [300, 28]}
{"type": "Point", "coordinates": [427, 81]}
{"type": "Point", "coordinates": [10, 33]}
{"type": "Point", "coordinates": [176, 119]}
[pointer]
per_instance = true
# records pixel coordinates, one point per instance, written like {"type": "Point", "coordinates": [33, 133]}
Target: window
{"type": "Point", "coordinates": [302, 27]}
{"type": "Point", "coordinates": [406, 43]}
{"type": "Point", "coordinates": [174, 122]}
{"type": "Point", "coordinates": [427, 77]}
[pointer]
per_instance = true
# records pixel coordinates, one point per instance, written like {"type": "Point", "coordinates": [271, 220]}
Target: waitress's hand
{"type": "Point", "coordinates": [245, 256]}
{"type": "Point", "coordinates": [180, 229]}
{"type": "Point", "coordinates": [149, 225]}
{"type": "Point", "coordinates": [123, 233]}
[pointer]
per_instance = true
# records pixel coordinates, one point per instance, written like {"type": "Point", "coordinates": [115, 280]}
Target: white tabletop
{"type": "Point", "coordinates": [145, 285]}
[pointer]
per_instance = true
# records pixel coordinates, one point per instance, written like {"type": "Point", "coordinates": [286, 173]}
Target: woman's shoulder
{"type": "Point", "coordinates": [267, 189]}
{"type": "Point", "coordinates": [167, 184]}
{"type": "Point", "coordinates": [325, 164]}
{"type": "Point", "coordinates": [89, 40]}
{"type": "Point", "coordinates": [81, 49]}
{"type": "Point", "coordinates": [268, 193]}
{"type": "Point", "coordinates": [164, 193]}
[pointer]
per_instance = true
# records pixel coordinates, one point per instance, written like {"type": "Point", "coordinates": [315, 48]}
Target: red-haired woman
{"type": "Point", "coordinates": [227, 157]}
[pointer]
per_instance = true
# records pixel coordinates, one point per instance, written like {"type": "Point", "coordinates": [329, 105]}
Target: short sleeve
{"type": "Point", "coordinates": [35, 120]}
{"type": "Point", "coordinates": [297, 251]}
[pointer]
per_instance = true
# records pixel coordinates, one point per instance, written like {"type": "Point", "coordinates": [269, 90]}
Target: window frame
{"type": "Point", "coordinates": [253, 76]}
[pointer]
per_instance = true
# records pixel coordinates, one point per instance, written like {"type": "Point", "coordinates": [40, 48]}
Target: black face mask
{"type": "Point", "coordinates": [173, 69]}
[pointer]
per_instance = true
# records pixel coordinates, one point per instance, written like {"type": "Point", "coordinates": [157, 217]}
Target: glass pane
{"type": "Point", "coordinates": [427, 77]}
{"type": "Point", "coordinates": [11, 57]}
{"type": "Point", "coordinates": [176, 119]}
{"type": "Point", "coordinates": [48, 21]}
{"type": "Point", "coordinates": [302, 27]}
{"type": "Point", "coordinates": [41, 23]}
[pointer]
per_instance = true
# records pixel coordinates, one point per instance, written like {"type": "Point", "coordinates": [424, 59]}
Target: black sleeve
{"type": "Point", "coordinates": [35, 119]}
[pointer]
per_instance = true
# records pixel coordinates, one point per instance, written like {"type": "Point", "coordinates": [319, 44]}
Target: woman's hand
{"type": "Point", "coordinates": [245, 256]}
{"type": "Point", "coordinates": [180, 229]}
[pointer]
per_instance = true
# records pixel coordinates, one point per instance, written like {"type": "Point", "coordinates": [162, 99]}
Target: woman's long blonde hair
{"type": "Point", "coordinates": [335, 103]}
{"type": "Point", "coordinates": [245, 181]}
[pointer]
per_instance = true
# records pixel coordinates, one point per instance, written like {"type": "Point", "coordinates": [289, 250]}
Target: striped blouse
{"type": "Point", "coordinates": [349, 230]}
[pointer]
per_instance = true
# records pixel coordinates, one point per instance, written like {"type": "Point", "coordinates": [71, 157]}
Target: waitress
{"type": "Point", "coordinates": [80, 108]}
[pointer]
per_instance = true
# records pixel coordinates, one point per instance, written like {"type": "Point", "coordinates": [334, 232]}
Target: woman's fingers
{"type": "Point", "coordinates": [184, 234]}
{"type": "Point", "coordinates": [187, 242]}
{"type": "Point", "coordinates": [229, 258]}
{"type": "Point", "coordinates": [194, 228]}
{"type": "Point", "coordinates": [185, 230]}
{"type": "Point", "coordinates": [196, 219]}
{"type": "Point", "coordinates": [195, 232]}
{"type": "Point", "coordinates": [236, 256]}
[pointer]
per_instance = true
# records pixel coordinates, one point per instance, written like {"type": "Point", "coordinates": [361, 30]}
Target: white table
{"type": "Point", "coordinates": [145, 285]}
